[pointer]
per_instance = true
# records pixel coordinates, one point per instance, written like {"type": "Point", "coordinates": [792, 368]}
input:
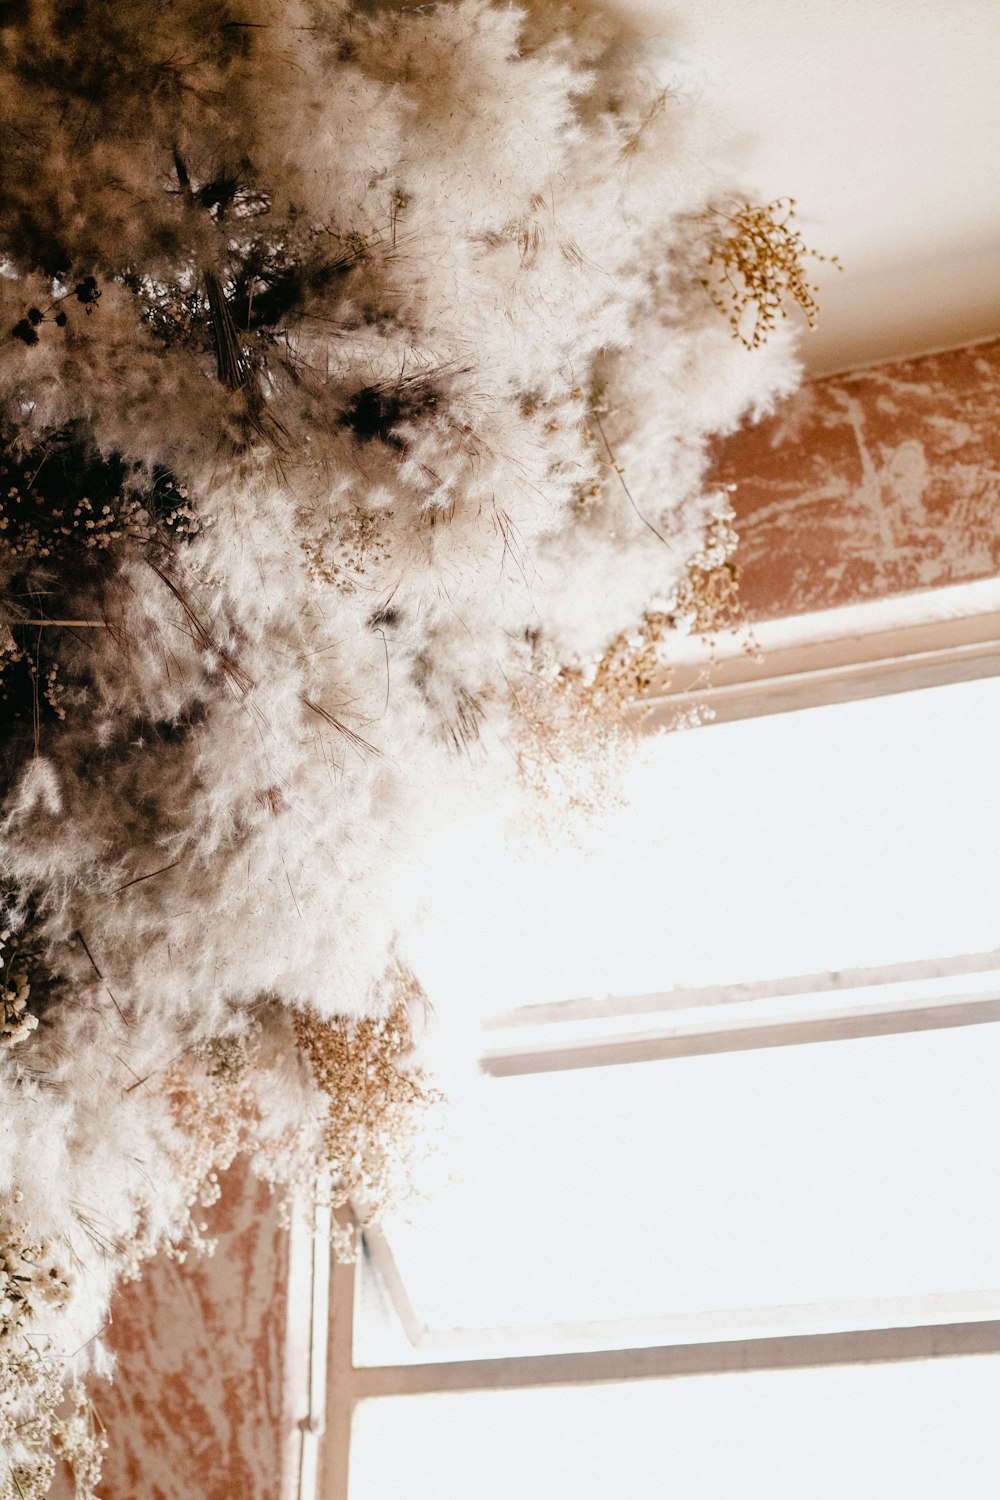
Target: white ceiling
{"type": "Point", "coordinates": [882, 119]}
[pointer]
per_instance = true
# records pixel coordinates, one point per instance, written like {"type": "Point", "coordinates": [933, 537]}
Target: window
{"type": "Point", "coordinates": [761, 1204]}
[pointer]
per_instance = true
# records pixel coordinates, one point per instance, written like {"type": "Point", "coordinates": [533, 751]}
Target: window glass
{"type": "Point", "coordinates": [854, 834]}
{"type": "Point", "coordinates": [923, 1430]}
{"type": "Point", "coordinates": [854, 1172]}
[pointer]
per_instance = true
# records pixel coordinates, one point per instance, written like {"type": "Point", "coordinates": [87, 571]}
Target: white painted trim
{"type": "Point", "coordinates": [699, 1040]}
{"type": "Point", "coordinates": [914, 977]}
{"type": "Point", "coordinates": [726, 1325]}
{"type": "Point", "coordinates": [313, 1423]}
{"type": "Point", "coordinates": [787, 1352]}
{"type": "Point", "coordinates": [340, 1381]}
{"type": "Point", "coordinates": [921, 608]}
{"type": "Point", "coordinates": [376, 1246]}
{"type": "Point", "coordinates": [816, 672]}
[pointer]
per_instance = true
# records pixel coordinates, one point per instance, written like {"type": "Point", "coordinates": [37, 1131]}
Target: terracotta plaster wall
{"type": "Point", "coordinates": [210, 1366]}
{"type": "Point", "coordinates": [877, 482]}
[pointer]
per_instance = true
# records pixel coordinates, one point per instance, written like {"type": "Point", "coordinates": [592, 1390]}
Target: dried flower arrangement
{"type": "Point", "coordinates": [308, 532]}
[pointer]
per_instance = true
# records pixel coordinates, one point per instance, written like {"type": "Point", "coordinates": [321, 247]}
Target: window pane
{"type": "Point", "coordinates": [832, 1172]}
{"type": "Point", "coordinates": [855, 834]}
{"type": "Point", "coordinates": [920, 1431]}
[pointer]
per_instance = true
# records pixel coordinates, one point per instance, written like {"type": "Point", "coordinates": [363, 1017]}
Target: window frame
{"type": "Point", "coordinates": [859, 652]}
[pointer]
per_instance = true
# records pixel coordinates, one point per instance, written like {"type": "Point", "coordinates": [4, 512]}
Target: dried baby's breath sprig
{"type": "Point", "coordinates": [355, 1145]}
{"type": "Point", "coordinates": [216, 1091]}
{"type": "Point", "coordinates": [80, 1440]}
{"type": "Point", "coordinates": [69, 515]}
{"type": "Point", "coordinates": [227, 1058]}
{"type": "Point", "coordinates": [42, 1423]}
{"type": "Point", "coordinates": [17, 1022]}
{"type": "Point", "coordinates": [350, 545]}
{"type": "Point", "coordinates": [31, 1390]}
{"type": "Point", "coordinates": [574, 724]}
{"type": "Point", "coordinates": [627, 669]}
{"type": "Point", "coordinates": [568, 750]}
{"type": "Point", "coordinates": [374, 1095]}
{"type": "Point", "coordinates": [707, 599]}
{"type": "Point", "coordinates": [19, 967]}
{"type": "Point", "coordinates": [66, 502]}
{"type": "Point", "coordinates": [705, 603]}
{"type": "Point", "coordinates": [34, 1278]}
{"type": "Point", "coordinates": [216, 1112]}
{"type": "Point", "coordinates": [756, 262]}
{"type": "Point", "coordinates": [36, 1428]}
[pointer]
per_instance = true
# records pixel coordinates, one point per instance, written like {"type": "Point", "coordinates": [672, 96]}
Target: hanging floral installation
{"type": "Point", "coordinates": [356, 375]}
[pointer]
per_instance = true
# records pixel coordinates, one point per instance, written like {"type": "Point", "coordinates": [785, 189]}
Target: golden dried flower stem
{"type": "Point", "coordinates": [756, 262]}
{"type": "Point", "coordinates": [373, 1094]}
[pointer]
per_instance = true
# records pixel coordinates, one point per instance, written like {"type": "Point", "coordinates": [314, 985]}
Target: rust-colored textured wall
{"type": "Point", "coordinates": [204, 1403]}
{"type": "Point", "coordinates": [876, 482]}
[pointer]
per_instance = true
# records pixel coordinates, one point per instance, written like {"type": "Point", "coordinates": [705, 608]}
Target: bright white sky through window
{"type": "Point", "coordinates": [855, 834]}
{"type": "Point", "coordinates": [854, 1172]}
{"type": "Point", "coordinates": [890, 1432]}
{"type": "Point", "coordinates": [850, 1172]}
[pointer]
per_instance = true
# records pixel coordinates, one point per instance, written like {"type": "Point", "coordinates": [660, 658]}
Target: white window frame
{"type": "Point", "coordinates": [838, 656]}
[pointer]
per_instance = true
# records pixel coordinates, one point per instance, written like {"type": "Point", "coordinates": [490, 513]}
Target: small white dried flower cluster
{"type": "Point", "coordinates": [35, 1429]}
{"type": "Point", "coordinates": [79, 1439]}
{"type": "Point", "coordinates": [706, 601]}
{"type": "Point", "coordinates": [31, 1390]}
{"type": "Point", "coordinates": [16, 1021]}
{"type": "Point", "coordinates": [351, 547]}
{"type": "Point", "coordinates": [218, 1094]}
{"type": "Point", "coordinates": [692, 716]}
{"type": "Point", "coordinates": [34, 1278]}
{"type": "Point", "coordinates": [11, 654]}
{"type": "Point", "coordinates": [757, 265]}
{"type": "Point", "coordinates": [87, 525]}
{"type": "Point", "coordinates": [215, 1119]}
{"type": "Point", "coordinates": [721, 537]}
{"type": "Point", "coordinates": [40, 1423]}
